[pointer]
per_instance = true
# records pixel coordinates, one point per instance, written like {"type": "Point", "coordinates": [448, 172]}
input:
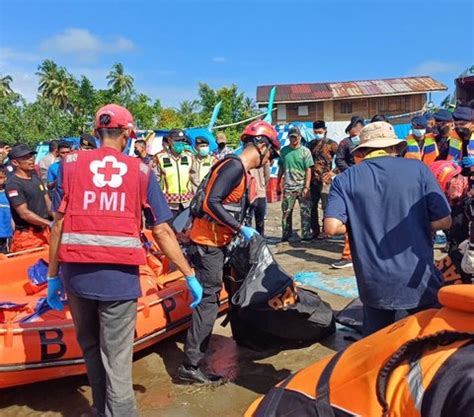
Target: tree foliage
{"type": "Point", "coordinates": [65, 106]}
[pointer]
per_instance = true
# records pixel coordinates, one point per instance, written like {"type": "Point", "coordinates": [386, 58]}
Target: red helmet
{"type": "Point", "coordinates": [444, 172]}
{"type": "Point", "coordinates": [261, 129]}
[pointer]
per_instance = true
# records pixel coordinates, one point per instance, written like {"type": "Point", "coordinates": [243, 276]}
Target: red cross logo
{"type": "Point", "coordinates": [109, 172]}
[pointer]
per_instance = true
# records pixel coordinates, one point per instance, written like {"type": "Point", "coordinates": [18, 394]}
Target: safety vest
{"type": "Point", "coordinates": [455, 146]}
{"type": "Point", "coordinates": [204, 165]}
{"type": "Point", "coordinates": [385, 374]}
{"type": "Point", "coordinates": [175, 176]}
{"type": "Point", "coordinates": [104, 194]}
{"type": "Point", "coordinates": [428, 154]}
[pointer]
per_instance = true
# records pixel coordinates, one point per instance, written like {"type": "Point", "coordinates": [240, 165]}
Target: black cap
{"type": "Point", "coordinates": [20, 150]}
{"type": "Point", "coordinates": [201, 139]}
{"type": "Point", "coordinates": [177, 135]}
{"type": "Point", "coordinates": [354, 120]}
{"type": "Point", "coordinates": [88, 140]}
{"type": "Point", "coordinates": [319, 124]}
{"type": "Point", "coordinates": [294, 131]}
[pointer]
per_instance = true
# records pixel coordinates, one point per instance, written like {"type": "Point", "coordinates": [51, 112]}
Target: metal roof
{"type": "Point", "coordinates": [352, 89]}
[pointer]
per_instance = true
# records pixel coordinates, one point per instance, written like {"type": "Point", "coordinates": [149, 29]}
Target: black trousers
{"type": "Point", "coordinates": [316, 191]}
{"type": "Point", "coordinates": [258, 210]}
{"type": "Point", "coordinates": [208, 262]}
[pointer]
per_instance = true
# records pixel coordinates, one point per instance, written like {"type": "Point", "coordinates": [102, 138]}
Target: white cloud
{"type": "Point", "coordinates": [435, 67]}
{"type": "Point", "coordinates": [8, 54]}
{"type": "Point", "coordinates": [219, 60]}
{"type": "Point", "coordinates": [85, 45]}
{"type": "Point", "coordinates": [24, 83]}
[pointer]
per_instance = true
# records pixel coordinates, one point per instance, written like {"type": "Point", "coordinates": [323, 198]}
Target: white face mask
{"type": "Point", "coordinates": [418, 132]}
{"type": "Point", "coordinates": [319, 136]}
{"type": "Point", "coordinates": [355, 140]}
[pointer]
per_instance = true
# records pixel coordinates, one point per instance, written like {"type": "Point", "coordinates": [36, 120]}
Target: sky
{"type": "Point", "coordinates": [171, 46]}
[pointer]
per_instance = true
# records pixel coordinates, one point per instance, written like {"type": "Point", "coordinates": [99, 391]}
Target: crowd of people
{"type": "Point", "coordinates": [385, 194]}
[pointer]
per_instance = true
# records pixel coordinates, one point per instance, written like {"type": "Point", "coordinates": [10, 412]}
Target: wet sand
{"type": "Point", "coordinates": [250, 374]}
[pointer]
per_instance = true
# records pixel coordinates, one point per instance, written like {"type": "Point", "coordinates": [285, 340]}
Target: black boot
{"type": "Point", "coordinates": [193, 375]}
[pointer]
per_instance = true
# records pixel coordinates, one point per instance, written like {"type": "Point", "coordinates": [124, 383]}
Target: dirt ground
{"type": "Point", "coordinates": [250, 373]}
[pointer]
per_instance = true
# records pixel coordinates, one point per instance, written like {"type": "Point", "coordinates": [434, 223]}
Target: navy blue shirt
{"type": "Point", "coordinates": [388, 204]}
{"type": "Point", "coordinates": [106, 282]}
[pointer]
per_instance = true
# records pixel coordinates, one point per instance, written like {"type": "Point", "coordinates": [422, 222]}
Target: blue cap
{"type": "Point", "coordinates": [464, 113]}
{"type": "Point", "coordinates": [443, 115]}
{"type": "Point", "coordinates": [429, 116]}
{"type": "Point", "coordinates": [420, 121]}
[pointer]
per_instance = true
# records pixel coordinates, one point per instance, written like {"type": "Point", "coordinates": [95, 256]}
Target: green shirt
{"type": "Point", "coordinates": [295, 163]}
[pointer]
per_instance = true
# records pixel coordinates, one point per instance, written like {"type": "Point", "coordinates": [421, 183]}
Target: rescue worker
{"type": "Point", "coordinates": [420, 144]}
{"type": "Point", "coordinates": [96, 237]}
{"type": "Point", "coordinates": [29, 201]}
{"type": "Point", "coordinates": [174, 165]}
{"type": "Point", "coordinates": [464, 131]}
{"type": "Point", "coordinates": [421, 366]}
{"type": "Point", "coordinates": [202, 162]}
{"type": "Point", "coordinates": [224, 205]}
{"type": "Point", "coordinates": [393, 251]}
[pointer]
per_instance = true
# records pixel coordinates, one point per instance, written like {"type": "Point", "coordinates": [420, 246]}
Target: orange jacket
{"type": "Point", "coordinates": [385, 374]}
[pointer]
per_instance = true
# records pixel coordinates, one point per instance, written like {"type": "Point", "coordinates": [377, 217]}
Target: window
{"type": "Point", "coordinates": [346, 107]}
{"type": "Point", "coordinates": [281, 112]}
{"type": "Point", "coordinates": [394, 104]}
{"type": "Point", "coordinates": [303, 111]}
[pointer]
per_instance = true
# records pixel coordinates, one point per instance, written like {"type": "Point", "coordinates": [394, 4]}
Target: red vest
{"type": "Point", "coordinates": [104, 194]}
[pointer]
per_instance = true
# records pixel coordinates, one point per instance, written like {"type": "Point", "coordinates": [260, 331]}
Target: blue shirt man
{"type": "Point", "coordinates": [390, 206]}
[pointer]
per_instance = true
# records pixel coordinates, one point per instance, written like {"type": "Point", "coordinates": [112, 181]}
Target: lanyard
{"type": "Point", "coordinates": [376, 154]}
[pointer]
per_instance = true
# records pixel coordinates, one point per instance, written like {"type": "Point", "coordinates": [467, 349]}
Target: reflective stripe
{"type": "Point", "coordinates": [98, 240]}
{"type": "Point", "coordinates": [415, 384]}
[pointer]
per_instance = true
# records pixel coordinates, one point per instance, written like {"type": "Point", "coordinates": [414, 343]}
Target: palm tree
{"type": "Point", "coordinates": [5, 88]}
{"type": "Point", "coordinates": [120, 82]}
{"type": "Point", "coordinates": [60, 90]}
{"type": "Point", "coordinates": [47, 72]}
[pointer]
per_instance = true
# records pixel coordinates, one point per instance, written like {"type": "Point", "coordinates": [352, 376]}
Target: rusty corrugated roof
{"type": "Point", "coordinates": [346, 89]}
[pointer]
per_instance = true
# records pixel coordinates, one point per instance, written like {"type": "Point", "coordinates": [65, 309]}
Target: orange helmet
{"type": "Point", "coordinates": [258, 130]}
{"type": "Point", "coordinates": [444, 172]}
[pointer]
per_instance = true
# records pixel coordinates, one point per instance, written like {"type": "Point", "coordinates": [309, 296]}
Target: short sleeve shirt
{"type": "Point", "coordinates": [295, 162]}
{"type": "Point", "coordinates": [388, 204]}
{"type": "Point", "coordinates": [106, 282]}
{"type": "Point", "coordinates": [30, 191]}
{"type": "Point", "coordinates": [53, 171]}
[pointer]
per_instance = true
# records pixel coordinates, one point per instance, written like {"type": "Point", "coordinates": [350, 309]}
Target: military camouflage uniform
{"type": "Point", "coordinates": [295, 162]}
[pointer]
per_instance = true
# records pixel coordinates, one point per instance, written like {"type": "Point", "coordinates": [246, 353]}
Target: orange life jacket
{"type": "Point", "coordinates": [375, 376]}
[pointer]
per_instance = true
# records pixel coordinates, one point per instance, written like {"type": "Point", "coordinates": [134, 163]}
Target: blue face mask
{"type": "Point", "coordinates": [203, 151]}
{"type": "Point", "coordinates": [319, 136]}
{"type": "Point", "coordinates": [355, 140]}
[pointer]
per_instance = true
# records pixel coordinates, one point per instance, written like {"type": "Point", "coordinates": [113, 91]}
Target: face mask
{"type": "Point", "coordinates": [418, 132]}
{"type": "Point", "coordinates": [204, 151]}
{"type": "Point", "coordinates": [136, 152]}
{"type": "Point", "coordinates": [221, 146]}
{"type": "Point", "coordinates": [443, 130]}
{"type": "Point", "coordinates": [463, 132]}
{"type": "Point", "coordinates": [318, 136]}
{"type": "Point", "coordinates": [355, 140]}
{"type": "Point", "coordinates": [179, 147]}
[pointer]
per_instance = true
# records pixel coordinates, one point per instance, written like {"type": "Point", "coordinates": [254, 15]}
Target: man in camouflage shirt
{"type": "Point", "coordinates": [323, 151]}
{"type": "Point", "coordinates": [295, 164]}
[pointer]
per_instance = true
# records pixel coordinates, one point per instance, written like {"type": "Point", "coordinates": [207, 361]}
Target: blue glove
{"type": "Point", "coordinates": [55, 292]}
{"type": "Point", "coordinates": [248, 232]}
{"type": "Point", "coordinates": [195, 289]}
{"type": "Point", "coordinates": [468, 161]}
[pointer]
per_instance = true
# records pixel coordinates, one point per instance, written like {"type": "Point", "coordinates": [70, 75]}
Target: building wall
{"type": "Point", "coordinates": [344, 109]}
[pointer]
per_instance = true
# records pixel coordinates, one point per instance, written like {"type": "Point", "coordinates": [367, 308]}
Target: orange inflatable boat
{"type": "Point", "coordinates": [38, 344]}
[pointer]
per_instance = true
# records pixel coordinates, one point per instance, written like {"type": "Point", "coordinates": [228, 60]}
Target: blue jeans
{"type": "Point", "coordinates": [104, 331]}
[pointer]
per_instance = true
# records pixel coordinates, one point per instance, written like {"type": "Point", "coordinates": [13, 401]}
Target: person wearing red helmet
{"type": "Point", "coordinates": [226, 195]}
{"type": "Point", "coordinates": [455, 187]}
